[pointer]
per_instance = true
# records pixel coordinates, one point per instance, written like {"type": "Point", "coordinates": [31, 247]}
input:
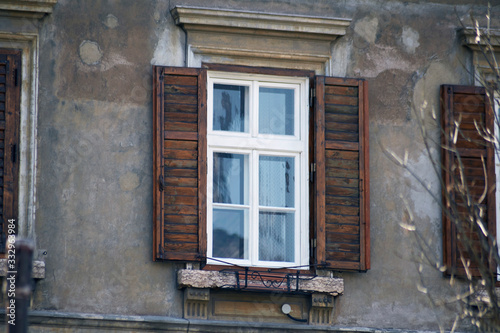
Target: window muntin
{"type": "Point", "coordinates": [257, 209]}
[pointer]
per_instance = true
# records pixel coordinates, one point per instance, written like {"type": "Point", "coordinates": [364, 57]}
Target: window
{"type": "Point", "coordinates": [237, 182]}
{"type": "Point", "coordinates": [10, 101]}
{"type": "Point", "coordinates": [466, 113]}
{"type": "Point", "coordinates": [257, 170]}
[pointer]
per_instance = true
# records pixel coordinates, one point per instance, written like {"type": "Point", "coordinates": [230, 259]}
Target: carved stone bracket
{"type": "Point", "coordinates": [321, 309]}
{"type": "Point", "coordinates": [196, 303]}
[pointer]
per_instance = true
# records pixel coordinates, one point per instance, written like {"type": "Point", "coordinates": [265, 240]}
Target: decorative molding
{"type": "Point", "coordinates": [263, 24]}
{"type": "Point", "coordinates": [26, 8]}
{"type": "Point", "coordinates": [196, 303]}
{"type": "Point", "coordinates": [320, 316]}
{"type": "Point", "coordinates": [485, 50]}
{"type": "Point", "coordinates": [43, 320]}
{"type": "Point", "coordinates": [321, 309]}
{"type": "Point", "coordinates": [470, 39]}
{"type": "Point", "coordinates": [257, 38]}
{"type": "Point", "coordinates": [231, 280]}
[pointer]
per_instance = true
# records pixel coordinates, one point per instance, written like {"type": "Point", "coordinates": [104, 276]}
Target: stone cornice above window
{"type": "Point", "coordinates": [26, 8]}
{"type": "Point", "coordinates": [232, 21]}
{"type": "Point", "coordinates": [470, 40]}
{"type": "Point", "coordinates": [257, 38]}
{"type": "Point", "coordinates": [486, 52]}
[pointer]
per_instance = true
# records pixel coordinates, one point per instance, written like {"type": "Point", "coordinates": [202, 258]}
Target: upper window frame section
{"type": "Point", "coordinates": [251, 142]}
{"type": "Point", "coordinates": [254, 82]}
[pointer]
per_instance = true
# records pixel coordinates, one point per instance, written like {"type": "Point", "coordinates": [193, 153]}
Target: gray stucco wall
{"type": "Point", "coordinates": [94, 166]}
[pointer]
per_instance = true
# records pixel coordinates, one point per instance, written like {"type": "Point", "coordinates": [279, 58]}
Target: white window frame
{"type": "Point", "coordinates": [255, 144]}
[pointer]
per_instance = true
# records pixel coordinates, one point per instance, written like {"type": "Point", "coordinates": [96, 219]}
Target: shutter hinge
{"type": "Point", "coordinates": [13, 153]}
{"type": "Point", "coordinates": [312, 95]}
{"type": "Point", "coordinates": [313, 244]}
{"type": "Point", "coordinates": [162, 183]}
{"type": "Point", "coordinates": [312, 171]}
{"type": "Point", "coordinates": [161, 251]}
{"type": "Point", "coordinates": [16, 77]}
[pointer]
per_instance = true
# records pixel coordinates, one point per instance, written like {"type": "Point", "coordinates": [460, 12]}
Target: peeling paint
{"type": "Point", "coordinates": [111, 21]}
{"type": "Point", "coordinates": [410, 38]}
{"type": "Point", "coordinates": [367, 28]}
{"type": "Point", "coordinates": [90, 52]}
{"type": "Point", "coordinates": [129, 181]}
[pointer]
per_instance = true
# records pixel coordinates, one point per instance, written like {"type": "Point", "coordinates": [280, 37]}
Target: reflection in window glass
{"type": "Point", "coordinates": [276, 181]}
{"type": "Point", "coordinates": [276, 111]}
{"type": "Point", "coordinates": [229, 236]}
{"type": "Point", "coordinates": [230, 108]}
{"type": "Point", "coordinates": [276, 236]}
{"type": "Point", "coordinates": [229, 178]}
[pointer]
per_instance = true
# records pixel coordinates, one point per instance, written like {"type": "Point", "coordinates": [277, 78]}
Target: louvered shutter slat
{"type": "Point", "coordinates": [180, 164]}
{"type": "Point", "coordinates": [466, 152]}
{"type": "Point", "coordinates": [10, 103]}
{"type": "Point", "coordinates": [342, 183]}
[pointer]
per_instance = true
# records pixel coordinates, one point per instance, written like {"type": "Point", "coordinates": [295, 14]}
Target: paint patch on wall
{"type": "Point", "coordinates": [410, 37]}
{"type": "Point", "coordinates": [129, 181]}
{"type": "Point", "coordinates": [367, 28]}
{"type": "Point", "coordinates": [111, 21]}
{"type": "Point", "coordinates": [90, 52]}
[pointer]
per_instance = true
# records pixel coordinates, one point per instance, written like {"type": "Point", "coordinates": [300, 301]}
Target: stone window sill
{"type": "Point", "coordinates": [190, 278]}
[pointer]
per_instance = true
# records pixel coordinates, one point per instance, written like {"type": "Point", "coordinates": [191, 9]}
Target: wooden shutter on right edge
{"type": "Point", "coordinates": [10, 103]}
{"type": "Point", "coordinates": [179, 166]}
{"type": "Point", "coordinates": [469, 108]}
{"type": "Point", "coordinates": [342, 227]}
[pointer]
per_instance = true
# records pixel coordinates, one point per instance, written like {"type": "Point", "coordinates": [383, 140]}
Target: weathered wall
{"type": "Point", "coordinates": [94, 168]}
{"type": "Point", "coordinates": [95, 160]}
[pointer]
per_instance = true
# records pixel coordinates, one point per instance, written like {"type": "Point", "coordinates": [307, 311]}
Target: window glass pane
{"type": "Point", "coordinates": [276, 236]}
{"type": "Point", "coordinates": [276, 111]}
{"type": "Point", "coordinates": [230, 178]}
{"type": "Point", "coordinates": [230, 108]}
{"type": "Point", "coordinates": [229, 233]}
{"type": "Point", "coordinates": [276, 181]}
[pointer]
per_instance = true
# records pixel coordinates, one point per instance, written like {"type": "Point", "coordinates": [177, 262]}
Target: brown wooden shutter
{"type": "Point", "coordinates": [342, 227]}
{"type": "Point", "coordinates": [179, 173]}
{"type": "Point", "coordinates": [467, 118]}
{"type": "Point", "coordinates": [10, 104]}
